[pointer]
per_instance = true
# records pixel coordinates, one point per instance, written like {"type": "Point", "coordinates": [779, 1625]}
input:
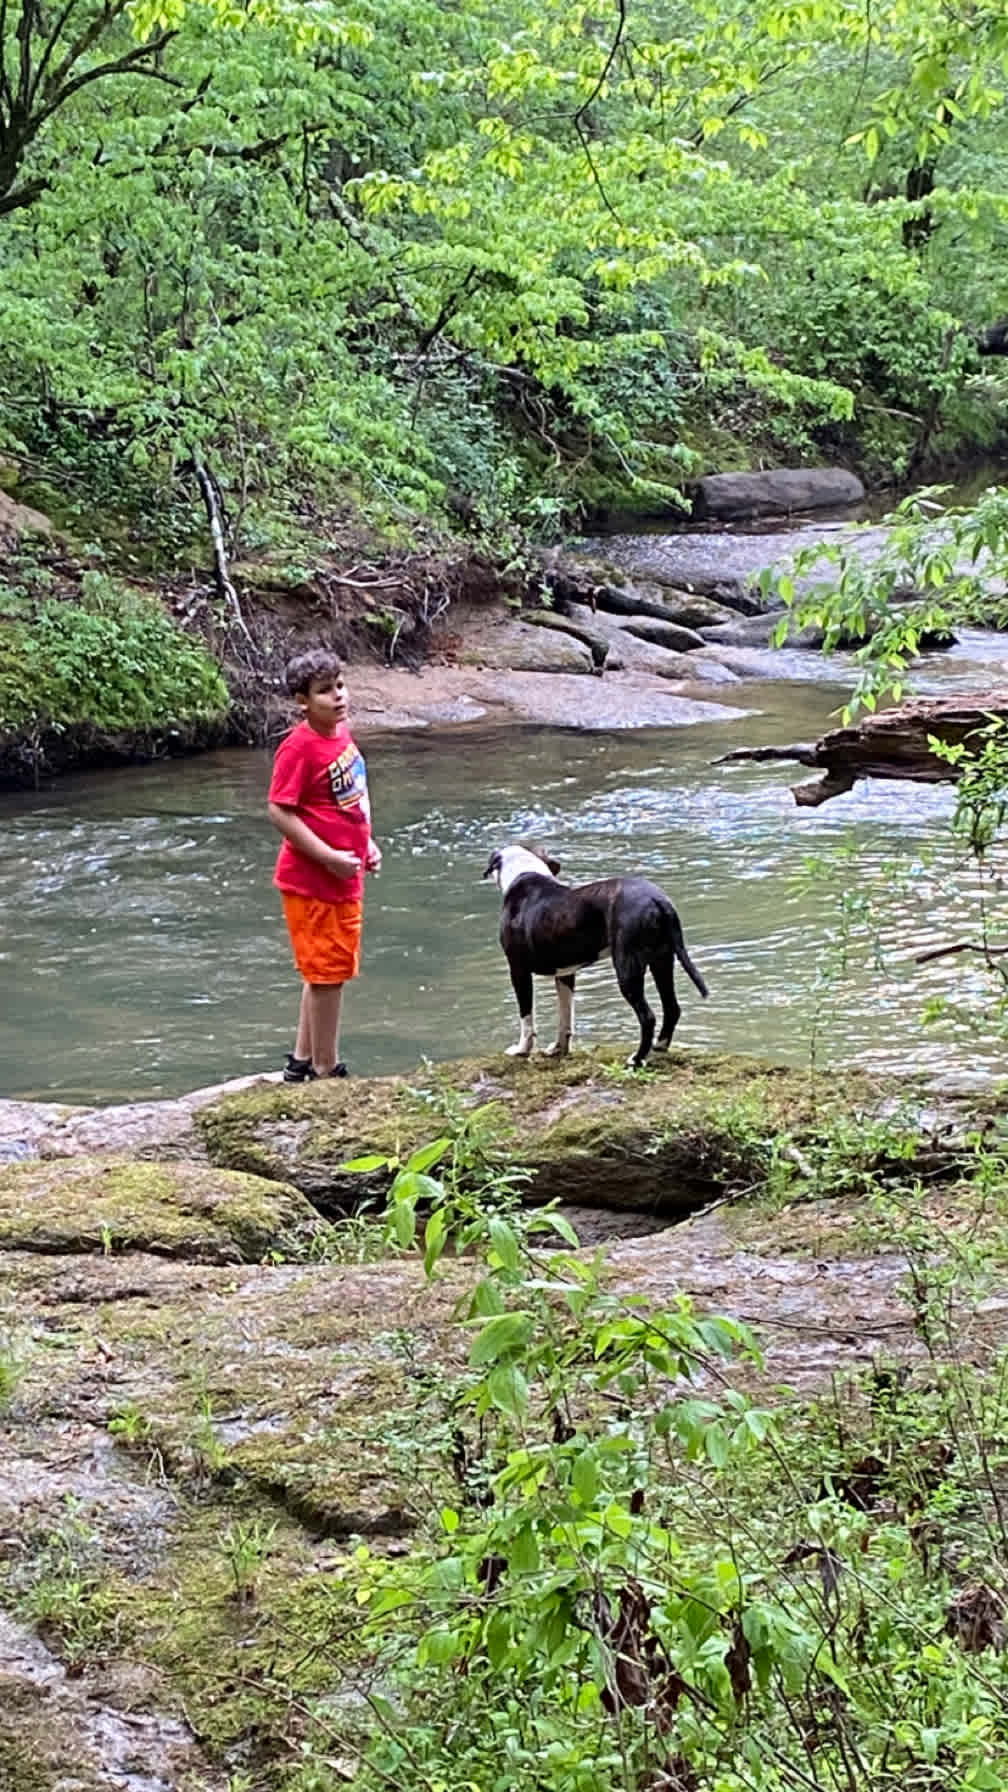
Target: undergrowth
{"type": "Point", "coordinates": [112, 660]}
{"type": "Point", "coordinates": [647, 1579]}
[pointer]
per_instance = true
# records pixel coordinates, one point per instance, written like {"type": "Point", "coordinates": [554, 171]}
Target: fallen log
{"type": "Point", "coordinates": [894, 743]}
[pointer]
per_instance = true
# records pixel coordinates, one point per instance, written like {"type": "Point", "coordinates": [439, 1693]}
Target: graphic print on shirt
{"type": "Point", "coordinates": [348, 779]}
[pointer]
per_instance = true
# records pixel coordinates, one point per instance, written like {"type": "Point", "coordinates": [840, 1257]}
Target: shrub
{"type": "Point", "coordinates": [113, 660]}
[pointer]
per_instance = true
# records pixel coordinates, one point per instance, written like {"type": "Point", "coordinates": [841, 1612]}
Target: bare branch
{"type": "Point", "coordinates": [960, 946]}
{"type": "Point", "coordinates": [130, 64]}
{"type": "Point", "coordinates": [579, 115]}
{"type": "Point", "coordinates": [610, 59]}
{"type": "Point", "coordinates": [53, 39]}
{"type": "Point", "coordinates": [222, 572]}
{"type": "Point", "coordinates": [21, 196]}
{"type": "Point", "coordinates": [799, 754]}
{"type": "Point", "coordinates": [6, 95]}
{"type": "Point", "coordinates": [86, 40]}
{"type": "Point", "coordinates": [898, 743]}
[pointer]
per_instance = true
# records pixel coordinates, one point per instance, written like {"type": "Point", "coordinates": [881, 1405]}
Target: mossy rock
{"type": "Point", "coordinates": [688, 1130]}
{"type": "Point", "coordinates": [34, 1751]}
{"type": "Point", "coordinates": [201, 1213]}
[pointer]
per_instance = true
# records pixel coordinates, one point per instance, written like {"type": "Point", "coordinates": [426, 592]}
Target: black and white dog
{"type": "Point", "coordinates": [550, 929]}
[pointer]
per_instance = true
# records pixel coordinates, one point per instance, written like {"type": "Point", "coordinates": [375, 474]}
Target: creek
{"type": "Point", "coordinates": [143, 951]}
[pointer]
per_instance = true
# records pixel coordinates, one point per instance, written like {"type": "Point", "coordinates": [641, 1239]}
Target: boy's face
{"type": "Point", "coordinates": [325, 705]}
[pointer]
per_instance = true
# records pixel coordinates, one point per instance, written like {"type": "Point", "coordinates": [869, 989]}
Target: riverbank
{"type": "Point", "coordinates": [611, 632]}
{"type": "Point", "coordinates": [663, 627]}
{"type": "Point", "coordinates": [222, 1417]}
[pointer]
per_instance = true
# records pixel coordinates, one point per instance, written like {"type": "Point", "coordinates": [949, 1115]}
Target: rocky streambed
{"type": "Point", "coordinates": [671, 628]}
{"type": "Point", "coordinates": [212, 1385]}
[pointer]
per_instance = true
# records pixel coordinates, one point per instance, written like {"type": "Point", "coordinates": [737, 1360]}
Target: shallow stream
{"type": "Point", "coordinates": [143, 951]}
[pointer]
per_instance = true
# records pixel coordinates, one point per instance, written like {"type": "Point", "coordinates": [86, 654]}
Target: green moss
{"type": "Point", "coordinates": [110, 659]}
{"type": "Point", "coordinates": [691, 1128]}
{"type": "Point", "coordinates": [315, 1127]}
{"type": "Point", "coordinates": [240, 1662]}
{"type": "Point", "coordinates": [177, 1210]}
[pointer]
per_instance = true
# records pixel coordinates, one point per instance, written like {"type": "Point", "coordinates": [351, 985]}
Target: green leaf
{"type": "Point", "coordinates": [506, 1335]}
{"type": "Point", "coordinates": [508, 1389]}
{"type": "Point", "coordinates": [505, 1243]}
{"type": "Point", "coordinates": [403, 1222]}
{"type": "Point", "coordinates": [434, 1238]}
{"type": "Point", "coordinates": [428, 1154]}
{"type": "Point", "coordinates": [555, 1222]}
{"type": "Point", "coordinates": [439, 1646]}
{"type": "Point", "coordinates": [523, 1552]}
{"type": "Point", "coordinates": [585, 1477]}
{"type": "Point", "coordinates": [409, 1185]}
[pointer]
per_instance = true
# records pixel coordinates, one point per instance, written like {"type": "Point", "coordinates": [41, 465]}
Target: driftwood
{"type": "Point", "coordinates": [895, 743]}
{"type": "Point", "coordinates": [210, 493]}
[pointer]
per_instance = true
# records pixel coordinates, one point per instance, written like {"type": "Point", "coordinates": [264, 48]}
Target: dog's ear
{"type": "Point", "coordinates": [494, 866]}
{"type": "Point", "coordinates": [539, 852]}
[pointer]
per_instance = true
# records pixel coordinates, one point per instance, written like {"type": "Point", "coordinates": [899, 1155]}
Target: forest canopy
{"type": "Point", "coordinates": [494, 259]}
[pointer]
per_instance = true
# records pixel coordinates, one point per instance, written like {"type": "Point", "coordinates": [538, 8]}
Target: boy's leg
{"type": "Point", "coordinates": [325, 1002]}
{"type": "Point", "coordinates": [302, 1044]}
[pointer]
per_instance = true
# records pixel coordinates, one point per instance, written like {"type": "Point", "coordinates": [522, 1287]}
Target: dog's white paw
{"type": "Point", "coordinates": [522, 1050]}
{"type": "Point", "coordinates": [661, 1045]}
{"type": "Point", "coordinates": [559, 1049]}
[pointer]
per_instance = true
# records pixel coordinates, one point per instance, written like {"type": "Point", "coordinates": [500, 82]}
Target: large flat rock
{"type": "Point", "coordinates": [445, 695]}
{"type": "Point", "coordinates": [589, 1132]}
{"type": "Point", "coordinates": [191, 1210]}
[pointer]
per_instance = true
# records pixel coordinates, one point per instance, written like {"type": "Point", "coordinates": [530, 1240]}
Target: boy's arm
{"type": "Point", "coordinates": [290, 824]}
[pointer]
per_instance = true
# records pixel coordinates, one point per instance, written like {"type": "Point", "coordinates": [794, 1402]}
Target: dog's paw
{"type": "Point", "coordinates": [661, 1045]}
{"type": "Point", "coordinates": [522, 1050]}
{"type": "Point", "coordinates": [559, 1049]}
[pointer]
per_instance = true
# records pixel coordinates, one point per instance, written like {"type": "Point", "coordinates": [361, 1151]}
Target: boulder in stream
{"type": "Point", "coordinates": [518, 647]}
{"type": "Point", "coordinates": [727, 497]}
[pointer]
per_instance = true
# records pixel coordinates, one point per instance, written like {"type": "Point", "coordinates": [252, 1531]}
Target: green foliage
{"type": "Point", "coordinates": [939, 569]}
{"type": "Point", "coordinates": [644, 1578]}
{"type": "Point", "coordinates": [66, 1592]}
{"type": "Point", "coordinates": [130, 1424]}
{"type": "Point", "coordinates": [112, 661]}
{"type": "Point", "coordinates": [471, 261]}
{"type": "Point", "coordinates": [246, 1547]}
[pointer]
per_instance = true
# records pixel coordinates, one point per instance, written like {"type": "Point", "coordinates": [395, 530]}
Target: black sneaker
{"type": "Point", "coordinates": [297, 1070]}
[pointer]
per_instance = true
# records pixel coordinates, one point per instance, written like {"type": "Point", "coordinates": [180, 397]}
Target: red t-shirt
{"type": "Point", "coordinates": [323, 777]}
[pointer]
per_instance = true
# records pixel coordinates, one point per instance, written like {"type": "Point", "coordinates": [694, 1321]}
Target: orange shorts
{"type": "Point", "coordinates": [326, 937]}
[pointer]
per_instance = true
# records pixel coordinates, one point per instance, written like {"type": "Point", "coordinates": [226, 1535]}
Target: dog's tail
{"type": "Point", "coordinates": [679, 948]}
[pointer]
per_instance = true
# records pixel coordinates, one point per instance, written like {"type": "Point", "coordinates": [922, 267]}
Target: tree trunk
{"type": "Point", "coordinates": [896, 743]}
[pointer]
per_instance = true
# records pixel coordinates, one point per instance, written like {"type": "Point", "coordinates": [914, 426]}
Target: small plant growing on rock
{"type": "Point", "coordinates": [11, 1372]}
{"type": "Point", "coordinates": [246, 1547]}
{"type": "Point", "coordinates": [130, 1425]}
{"type": "Point", "coordinates": [209, 1452]}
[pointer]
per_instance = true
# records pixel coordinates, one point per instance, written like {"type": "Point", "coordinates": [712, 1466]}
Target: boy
{"type": "Point", "coordinates": [318, 799]}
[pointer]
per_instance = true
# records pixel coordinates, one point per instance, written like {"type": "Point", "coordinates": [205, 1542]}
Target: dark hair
{"type": "Point", "coordinates": [320, 662]}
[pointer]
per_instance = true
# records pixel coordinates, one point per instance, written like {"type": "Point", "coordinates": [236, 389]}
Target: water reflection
{"type": "Point", "coordinates": [143, 950]}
